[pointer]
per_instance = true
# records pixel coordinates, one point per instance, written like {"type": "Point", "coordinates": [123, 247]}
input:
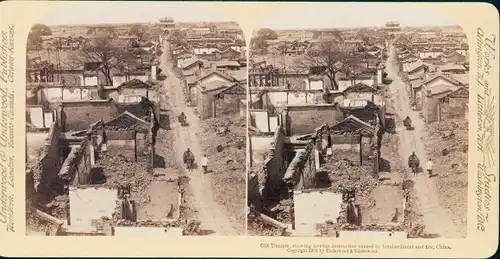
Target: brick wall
{"type": "Point", "coordinates": [229, 104]}
{"type": "Point", "coordinates": [141, 143]}
{"type": "Point", "coordinates": [275, 165]}
{"type": "Point", "coordinates": [77, 166]}
{"type": "Point", "coordinates": [364, 115]}
{"type": "Point", "coordinates": [254, 196]}
{"type": "Point", "coordinates": [455, 108]}
{"type": "Point", "coordinates": [302, 170]}
{"type": "Point", "coordinates": [121, 143]}
{"type": "Point", "coordinates": [80, 115]}
{"type": "Point", "coordinates": [204, 104]}
{"type": "Point", "coordinates": [48, 166]}
{"type": "Point", "coordinates": [305, 119]}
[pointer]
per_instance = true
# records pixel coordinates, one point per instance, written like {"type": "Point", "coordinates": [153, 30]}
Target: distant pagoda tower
{"type": "Point", "coordinates": [167, 22]}
{"type": "Point", "coordinates": [392, 27]}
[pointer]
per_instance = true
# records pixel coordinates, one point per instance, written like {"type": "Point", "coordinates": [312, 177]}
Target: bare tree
{"type": "Point", "coordinates": [329, 58]}
{"type": "Point", "coordinates": [106, 53]}
{"type": "Point", "coordinates": [141, 31]}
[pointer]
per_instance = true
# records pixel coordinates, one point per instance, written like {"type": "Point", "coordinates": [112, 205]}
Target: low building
{"type": "Point", "coordinates": [423, 88]}
{"type": "Point", "coordinates": [454, 105]}
{"type": "Point", "coordinates": [219, 98]}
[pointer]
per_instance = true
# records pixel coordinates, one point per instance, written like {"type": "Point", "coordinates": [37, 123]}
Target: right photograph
{"type": "Point", "coordinates": [358, 123]}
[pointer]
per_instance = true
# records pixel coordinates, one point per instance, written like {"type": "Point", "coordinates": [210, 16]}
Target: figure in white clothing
{"type": "Point", "coordinates": [429, 167]}
{"type": "Point", "coordinates": [204, 163]}
{"type": "Point", "coordinates": [329, 151]}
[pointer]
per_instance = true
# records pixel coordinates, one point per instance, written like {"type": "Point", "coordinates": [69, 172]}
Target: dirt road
{"type": "Point", "coordinates": [436, 219]}
{"type": "Point", "coordinates": [213, 220]}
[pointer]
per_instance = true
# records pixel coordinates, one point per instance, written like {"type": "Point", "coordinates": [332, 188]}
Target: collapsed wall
{"type": "Point", "coordinates": [348, 177]}
{"type": "Point", "coordinates": [265, 180]}
{"type": "Point", "coordinates": [41, 177]}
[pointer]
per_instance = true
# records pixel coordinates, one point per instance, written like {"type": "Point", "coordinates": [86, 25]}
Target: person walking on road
{"type": "Point", "coordinates": [204, 163]}
{"type": "Point", "coordinates": [429, 167]}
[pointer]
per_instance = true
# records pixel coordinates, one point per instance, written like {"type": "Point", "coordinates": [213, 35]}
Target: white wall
{"type": "Point", "coordinates": [118, 80]}
{"type": "Point", "coordinates": [36, 116]}
{"type": "Point", "coordinates": [273, 123]}
{"type": "Point", "coordinates": [143, 78]}
{"type": "Point", "coordinates": [53, 94]}
{"type": "Point", "coordinates": [432, 54]}
{"type": "Point", "coordinates": [297, 98]}
{"type": "Point", "coordinates": [90, 81]}
{"type": "Point", "coordinates": [153, 72]}
{"type": "Point", "coordinates": [315, 207]}
{"type": "Point", "coordinates": [91, 203]}
{"type": "Point", "coordinates": [260, 148]}
{"type": "Point", "coordinates": [316, 85]}
{"type": "Point", "coordinates": [48, 119]}
{"type": "Point", "coordinates": [277, 98]}
{"type": "Point", "coordinates": [360, 96]}
{"type": "Point", "coordinates": [261, 120]}
{"type": "Point", "coordinates": [72, 94]}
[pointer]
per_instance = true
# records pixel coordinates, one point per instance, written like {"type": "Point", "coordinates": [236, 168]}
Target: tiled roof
{"type": "Point", "coordinates": [417, 65]}
{"type": "Point", "coordinates": [449, 67]}
{"type": "Point", "coordinates": [127, 120]}
{"type": "Point", "coordinates": [438, 89]}
{"type": "Point", "coordinates": [462, 78]}
{"type": "Point", "coordinates": [214, 85]}
{"type": "Point", "coordinates": [134, 83]}
{"type": "Point", "coordinates": [440, 75]}
{"type": "Point", "coordinates": [353, 125]}
{"type": "Point", "coordinates": [360, 88]}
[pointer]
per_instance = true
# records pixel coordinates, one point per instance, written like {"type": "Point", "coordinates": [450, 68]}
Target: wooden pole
{"type": "Point", "coordinates": [48, 217]}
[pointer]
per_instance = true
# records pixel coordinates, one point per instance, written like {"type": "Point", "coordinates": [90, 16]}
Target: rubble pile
{"type": "Point", "coordinates": [447, 143]}
{"type": "Point", "coordinates": [418, 231]}
{"type": "Point", "coordinates": [344, 175]}
{"type": "Point", "coordinates": [120, 170]}
{"type": "Point", "coordinates": [59, 207]}
{"type": "Point", "coordinates": [257, 227]}
{"type": "Point", "coordinates": [148, 223]}
{"type": "Point", "coordinates": [330, 228]}
{"type": "Point", "coordinates": [34, 224]}
{"type": "Point", "coordinates": [284, 211]}
{"type": "Point", "coordinates": [223, 141]}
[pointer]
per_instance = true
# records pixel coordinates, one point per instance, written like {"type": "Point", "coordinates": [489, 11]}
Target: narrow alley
{"type": "Point", "coordinates": [213, 220]}
{"type": "Point", "coordinates": [436, 219]}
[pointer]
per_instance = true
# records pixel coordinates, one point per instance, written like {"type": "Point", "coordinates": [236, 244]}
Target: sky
{"type": "Point", "coordinates": [130, 12]}
{"type": "Point", "coordinates": [329, 15]}
{"type": "Point", "coordinates": [311, 15]}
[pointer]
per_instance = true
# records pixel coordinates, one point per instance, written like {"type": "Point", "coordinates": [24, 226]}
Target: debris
{"type": "Point", "coordinates": [220, 138]}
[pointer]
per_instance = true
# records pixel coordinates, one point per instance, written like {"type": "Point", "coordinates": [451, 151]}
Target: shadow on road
{"type": "Point", "coordinates": [159, 161]}
{"type": "Point", "coordinates": [205, 232]}
{"type": "Point", "coordinates": [208, 172]}
{"type": "Point", "coordinates": [164, 120]}
{"type": "Point", "coordinates": [97, 175]}
{"type": "Point", "coordinates": [385, 165]}
{"type": "Point", "coordinates": [390, 125]}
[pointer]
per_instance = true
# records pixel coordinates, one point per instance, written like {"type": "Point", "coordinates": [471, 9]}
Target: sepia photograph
{"type": "Point", "coordinates": [284, 129]}
{"type": "Point", "coordinates": [135, 121]}
{"type": "Point", "coordinates": [358, 123]}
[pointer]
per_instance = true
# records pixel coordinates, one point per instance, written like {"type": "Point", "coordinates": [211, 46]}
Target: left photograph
{"type": "Point", "coordinates": [135, 121]}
